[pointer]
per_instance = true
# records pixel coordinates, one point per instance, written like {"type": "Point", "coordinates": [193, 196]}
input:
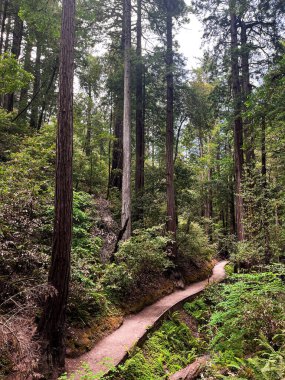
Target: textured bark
{"type": "Point", "coordinates": [7, 38]}
{"type": "Point", "coordinates": [36, 88]}
{"type": "Point", "coordinates": [246, 91]}
{"type": "Point", "coordinates": [170, 192]}
{"type": "Point", "coordinates": [52, 324]}
{"type": "Point", "coordinates": [126, 185]}
{"type": "Point", "coordinates": [117, 155]}
{"type": "Point", "coordinates": [24, 92]}
{"type": "Point", "coordinates": [193, 370]}
{"type": "Point", "coordinates": [3, 21]}
{"type": "Point", "coordinates": [265, 219]}
{"type": "Point", "coordinates": [263, 151]}
{"type": "Point", "coordinates": [238, 128]}
{"type": "Point", "coordinates": [16, 50]}
{"type": "Point", "coordinates": [140, 133]}
{"type": "Point", "coordinates": [89, 124]}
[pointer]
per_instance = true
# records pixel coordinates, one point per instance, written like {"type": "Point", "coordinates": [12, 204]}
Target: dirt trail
{"type": "Point", "coordinates": [116, 346]}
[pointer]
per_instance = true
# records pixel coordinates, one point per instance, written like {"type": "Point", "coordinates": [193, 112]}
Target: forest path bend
{"type": "Point", "coordinates": [115, 347]}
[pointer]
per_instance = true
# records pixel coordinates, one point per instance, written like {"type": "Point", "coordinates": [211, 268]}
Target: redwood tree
{"type": "Point", "coordinates": [140, 138]}
{"type": "Point", "coordinates": [171, 210]}
{"type": "Point", "coordinates": [52, 324]}
{"type": "Point", "coordinates": [126, 186]}
{"type": "Point", "coordinates": [238, 124]}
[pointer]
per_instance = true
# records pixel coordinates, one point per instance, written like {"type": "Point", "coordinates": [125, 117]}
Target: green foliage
{"type": "Point", "coordinates": [12, 76]}
{"type": "Point", "coordinates": [250, 305]}
{"type": "Point", "coordinates": [83, 244]}
{"type": "Point", "coordinates": [139, 259]}
{"type": "Point", "coordinates": [194, 244]}
{"type": "Point", "coordinates": [85, 373]}
{"type": "Point", "coordinates": [247, 254]}
{"type": "Point", "coordinates": [168, 350]}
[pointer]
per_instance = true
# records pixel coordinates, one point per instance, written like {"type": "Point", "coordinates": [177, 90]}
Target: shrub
{"type": "Point", "coordinates": [250, 305]}
{"type": "Point", "coordinates": [169, 349]}
{"type": "Point", "coordinates": [139, 259]}
{"type": "Point", "coordinates": [194, 245]}
{"type": "Point", "coordinates": [246, 254]}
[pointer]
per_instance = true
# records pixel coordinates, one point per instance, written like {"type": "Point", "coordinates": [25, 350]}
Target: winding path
{"type": "Point", "coordinates": [115, 347]}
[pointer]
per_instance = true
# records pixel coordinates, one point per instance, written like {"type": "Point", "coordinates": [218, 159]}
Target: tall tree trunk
{"type": "Point", "coordinates": [7, 38]}
{"type": "Point", "coordinates": [126, 185]}
{"type": "Point", "coordinates": [52, 323]}
{"type": "Point", "coordinates": [88, 131]}
{"type": "Point", "coordinates": [16, 50]}
{"type": "Point", "coordinates": [36, 89]}
{"type": "Point", "coordinates": [238, 126]}
{"type": "Point", "coordinates": [246, 91]}
{"type": "Point", "coordinates": [45, 99]}
{"type": "Point", "coordinates": [140, 133]}
{"type": "Point", "coordinates": [3, 21]}
{"type": "Point", "coordinates": [117, 154]}
{"type": "Point", "coordinates": [88, 147]}
{"type": "Point", "coordinates": [265, 219]}
{"type": "Point", "coordinates": [263, 151]}
{"type": "Point", "coordinates": [170, 192]}
{"type": "Point", "coordinates": [27, 66]}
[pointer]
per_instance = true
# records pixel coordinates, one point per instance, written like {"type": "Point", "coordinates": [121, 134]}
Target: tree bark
{"type": "Point", "coordinates": [36, 88]}
{"type": "Point", "coordinates": [45, 98]}
{"type": "Point", "coordinates": [7, 38]}
{"type": "Point", "coordinates": [140, 133]}
{"type": "Point", "coordinates": [263, 151]}
{"type": "Point", "coordinates": [117, 155]}
{"type": "Point", "coordinates": [238, 126]}
{"type": "Point", "coordinates": [16, 50]}
{"type": "Point", "coordinates": [3, 21]}
{"type": "Point", "coordinates": [52, 324]}
{"type": "Point", "coordinates": [24, 92]}
{"type": "Point", "coordinates": [89, 126]}
{"type": "Point", "coordinates": [170, 192]}
{"type": "Point", "coordinates": [246, 91]}
{"type": "Point", "coordinates": [126, 185]}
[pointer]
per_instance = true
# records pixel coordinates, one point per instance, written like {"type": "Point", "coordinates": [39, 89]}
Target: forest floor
{"type": "Point", "coordinates": [114, 348]}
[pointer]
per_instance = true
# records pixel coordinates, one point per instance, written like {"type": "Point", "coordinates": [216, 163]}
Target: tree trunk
{"type": "Point", "coordinates": [36, 89]}
{"type": "Point", "coordinates": [8, 30]}
{"type": "Point", "coordinates": [45, 99]}
{"type": "Point", "coordinates": [23, 102]}
{"type": "Point", "coordinates": [16, 50]}
{"type": "Point", "coordinates": [265, 218]}
{"type": "Point", "coordinates": [246, 91]}
{"type": "Point", "coordinates": [140, 134]}
{"type": "Point", "coordinates": [117, 155]}
{"type": "Point", "coordinates": [238, 127]}
{"type": "Point", "coordinates": [263, 152]}
{"type": "Point", "coordinates": [89, 126]}
{"type": "Point", "coordinates": [52, 324]}
{"type": "Point", "coordinates": [170, 194]}
{"type": "Point", "coordinates": [3, 21]}
{"type": "Point", "coordinates": [126, 185]}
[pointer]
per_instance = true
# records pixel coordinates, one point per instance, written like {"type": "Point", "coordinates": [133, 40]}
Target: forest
{"type": "Point", "coordinates": [142, 200]}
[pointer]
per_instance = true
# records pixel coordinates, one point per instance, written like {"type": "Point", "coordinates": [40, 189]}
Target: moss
{"type": "Point", "coordinates": [80, 341]}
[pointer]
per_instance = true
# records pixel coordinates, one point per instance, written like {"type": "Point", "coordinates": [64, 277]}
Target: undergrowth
{"type": "Point", "coordinates": [167, 350]}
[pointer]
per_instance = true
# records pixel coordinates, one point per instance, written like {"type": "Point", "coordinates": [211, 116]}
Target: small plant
{"type": "Point", "coordinates": [169, 349]}
{"type": "Point", "coordinates": [194, 245]}
{"type": "Point", "coordinates": [139, 259]}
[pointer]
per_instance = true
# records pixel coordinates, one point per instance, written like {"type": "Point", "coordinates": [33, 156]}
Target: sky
{"type": "Point", "coordinates": [190, 40]}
